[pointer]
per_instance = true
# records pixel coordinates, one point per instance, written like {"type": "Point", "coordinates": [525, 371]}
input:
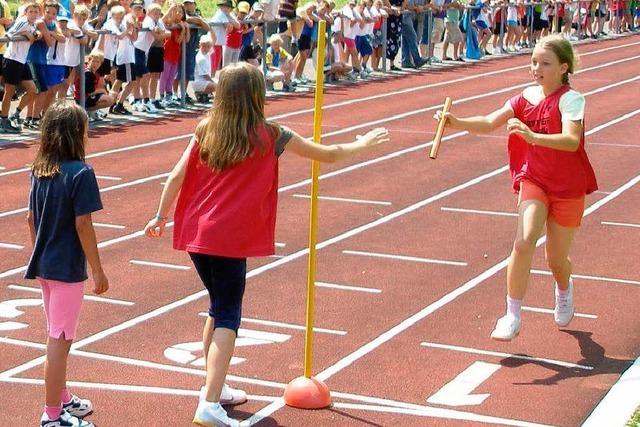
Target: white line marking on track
{"type": "Point", "coordinates": [620, 402]}
{"type": "Point", "coordinates": [280, 245]}
{"type": "Point", "coordinates": [550, 311]}
{"type": "Point", "coordinates": [159, 264]}
{"type": "Point", "coordinates": [13, 271]}
{"type": "Point", "coordinates": [621, 224]}
{"type": "Point", "coordinates": [2, 168]}
{"type": "Point", "coordinates": [406, 258]}
{"type": "Point", "coordinates": [341, 199]}
{"type": "Point", "coordinates": [608, 144]}
{"type": "Point", "coordinates": [586, 277]}
{"type": "Point", "coordinates": [348, 288]}
{"type": "Point", "coordinates": [478, 211]}
{"type": "Point", "coordinates": [459, 391]}
{"type": "Point", "coordinates": [448, 414]}
{"type": "Point", "coordinates": [505, 355]}
{"type": "Point", "coordinates": [602, 192]}
{"type": "Point", "coordinates": [86, 297]}
{"type": "Point", "coordinates": [290, 326]}
{"type": "Point", "coordinates": [11, 246]}
{"type": "Point", "coordinates": [114, 226]}
{"type": "Point", "coordinates": [109, 178]}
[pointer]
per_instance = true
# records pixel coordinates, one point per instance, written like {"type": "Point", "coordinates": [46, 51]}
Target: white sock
{"type": "Point", "coordinates": [514, 306]}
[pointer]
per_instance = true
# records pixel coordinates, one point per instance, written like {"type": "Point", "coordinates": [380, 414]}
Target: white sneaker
{"type": "Point", "coordinates": [507, 328]}
{"type": "Point", "coordinates": [64, 420]}
{"type": "Point", "coordinates": [563, 312]}
{"type": "Point", "coordinates": [228, 396]}
{"type": "Point", "coordinates": [149, 107]}
{"type": "Point", "coordinates": [212, 414]}
{"type": "Point", "coordinates": [138, 106]}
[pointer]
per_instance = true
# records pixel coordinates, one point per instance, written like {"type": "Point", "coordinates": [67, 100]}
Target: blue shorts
{"type": "Point", "coordinates": [141, 63]}
{"type": "Point", "coordinates": [511, 23]}
{"type": "Point", "coordinates": [482, 25]}
{"type": "Point", "coordinates": [225, 280]}
{"type": "Point", "coordinates": [363, 45]}
{"type": "Point", "coordinates": [39, 75]}
{"type": "Point", "coordinates": [55, 75]}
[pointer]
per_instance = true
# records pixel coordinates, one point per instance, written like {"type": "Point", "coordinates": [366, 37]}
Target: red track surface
{"type": "Point", "coordinates": [380, 358]}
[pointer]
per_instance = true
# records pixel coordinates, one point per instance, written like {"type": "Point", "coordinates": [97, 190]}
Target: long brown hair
{"type": "Point", "coordinates": [563, 50]}
{"type": "Point", "coordinates": [227, 136]}
{"type": "Point", "coordinates": [63, 132]}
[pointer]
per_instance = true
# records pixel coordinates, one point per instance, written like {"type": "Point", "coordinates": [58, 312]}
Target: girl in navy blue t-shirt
{"type": "Point", "coordinates": [64, 193]}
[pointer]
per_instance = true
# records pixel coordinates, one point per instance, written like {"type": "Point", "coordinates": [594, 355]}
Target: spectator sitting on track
{"type": "Point", "coordinates": [64, 194]}
{"type": "Point", "coordinates": [96, 96]}
{"type": "Point", "coordinates": [227, 181]}
{"type": "Point", "coordinates": [550, 170]}
{"type": "Point", "coordinates": [204, 84]}
{"type": "Point", "coordinates": [279, 64]}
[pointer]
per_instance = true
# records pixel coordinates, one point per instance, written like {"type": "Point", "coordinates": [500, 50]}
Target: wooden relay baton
{"type": "Point", "coordinates": [440, 131]}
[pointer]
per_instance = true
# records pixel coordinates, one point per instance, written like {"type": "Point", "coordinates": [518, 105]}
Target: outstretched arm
{"type": "Point", "coordinates": [478, 124]}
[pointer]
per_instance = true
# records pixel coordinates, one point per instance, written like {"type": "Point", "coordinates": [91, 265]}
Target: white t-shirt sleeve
{"type": "Point", "coordinates": [572, 106]}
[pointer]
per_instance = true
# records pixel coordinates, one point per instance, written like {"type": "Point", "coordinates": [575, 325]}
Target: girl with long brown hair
{"type": "Point", "coordinates": [64, 194]}
{"type": "Point", "coordinates": [227, 180]}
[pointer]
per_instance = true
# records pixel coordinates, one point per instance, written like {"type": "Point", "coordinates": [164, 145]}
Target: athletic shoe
{"type": "Point", "coordinates": [212, 414]}
{"type": "Point", "coordinates": [121, 110]}
{"type": "Point", "coordinates": [101, 114]}
{"type": "Point", "coordinates": [32, 124]}
{"type": "Point", "coordinates": [64, 420]}
{"type": "Point", "coordinates": [563, 312]}
{"type": "Point", "coordinates": [507, 328]}
{"type": "Point", "coordinates": [228, 396]}
{"type": "Point", "coordinates": [78, 407]}
{"type": "Point", "coordinates": [138, 106]}
{"type": "Point", "coordinates": [149, 107]}
{"type": "Point", "coordinates": [158, 104]}
{"type": "Point", "coordinates": [434, 60]}
{"type": "Point", "coordinates": [7, 127]}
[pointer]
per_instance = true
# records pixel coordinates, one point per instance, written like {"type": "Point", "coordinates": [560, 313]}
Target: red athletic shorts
{"type": "Point", "coordinates": [566, 212]}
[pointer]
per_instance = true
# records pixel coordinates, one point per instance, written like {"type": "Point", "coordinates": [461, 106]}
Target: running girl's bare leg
{"type": "Point", "coordinates": [531, 220]}
{"type": "Point", "coordinates": [559, 241]}
{"type": "Point", "coordinates": [218, 359]}
{"type": "Point", "coordinates": [55, 369]}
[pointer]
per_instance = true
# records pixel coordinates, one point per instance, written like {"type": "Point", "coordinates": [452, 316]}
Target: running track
{"type": "Point", "coordinates": [411, 263]}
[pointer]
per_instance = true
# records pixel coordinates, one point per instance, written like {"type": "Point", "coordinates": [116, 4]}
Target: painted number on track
{"type": "Point", "coordinates": [458, 391]}
{"type": "Point", "coordinates": [9, 310]}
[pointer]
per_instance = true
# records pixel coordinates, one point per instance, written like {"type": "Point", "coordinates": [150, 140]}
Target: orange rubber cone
{"type": "Point", "coordinates": [307, 393]}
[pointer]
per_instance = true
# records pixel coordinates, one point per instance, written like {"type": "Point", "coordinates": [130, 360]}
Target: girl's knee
{"type": "Point", "coordinates": [523, 245]}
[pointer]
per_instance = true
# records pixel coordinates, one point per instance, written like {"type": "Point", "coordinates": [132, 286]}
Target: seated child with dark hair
{"type": "Point", "coordinates": [96, 96]}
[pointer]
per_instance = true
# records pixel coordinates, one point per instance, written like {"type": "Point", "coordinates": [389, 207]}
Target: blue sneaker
{"type": "Point", "coordinates": [78, 407]}
{"type": "Point", "coordinates": [64, 420]}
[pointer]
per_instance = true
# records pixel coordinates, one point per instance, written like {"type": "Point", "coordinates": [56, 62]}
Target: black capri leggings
{"type": "Point", "coordinates": [224, 279]}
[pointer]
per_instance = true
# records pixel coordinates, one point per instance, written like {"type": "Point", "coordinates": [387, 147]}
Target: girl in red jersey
{"type": "Point", "coordinates": [226, 211]}
{"type": "Point", "coordinates": [550, 171]}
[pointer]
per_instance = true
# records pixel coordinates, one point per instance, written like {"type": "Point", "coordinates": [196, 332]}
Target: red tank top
{"type": "Point", "coordinates": [230, 213]}
{"type": "Point", "coordinates": [559, 173]}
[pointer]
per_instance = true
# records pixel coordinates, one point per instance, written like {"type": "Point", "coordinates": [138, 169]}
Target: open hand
{"type": "Point", "coordinates": [375, 136]}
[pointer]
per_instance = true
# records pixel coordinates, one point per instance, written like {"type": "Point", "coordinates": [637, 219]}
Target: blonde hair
{"type": "Point", "coordinates": [96, 53]}
{"type": "Point", "coordinates": [228, 135]}
{"type": "Point", "coordinates": [154, 6]}
{"type": "Point", "coordinates": [563, 50]}
{"type": "Point", "coordinates": [81, 11]}
{"type": "Point", "coordinates": [275, 38]}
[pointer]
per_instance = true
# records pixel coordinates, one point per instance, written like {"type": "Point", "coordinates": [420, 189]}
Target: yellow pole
{"type": "Point", "coordinates": [313, 217]}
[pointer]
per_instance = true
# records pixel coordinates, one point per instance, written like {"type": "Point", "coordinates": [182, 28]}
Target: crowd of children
{"type": "Point", "coordinates": [140, 44]}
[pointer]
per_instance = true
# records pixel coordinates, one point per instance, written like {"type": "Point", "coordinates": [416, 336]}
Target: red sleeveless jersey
{"type": "Point", "coordinates": [562, 174]}
{"type": "Point", "coordinates": [230, 213]}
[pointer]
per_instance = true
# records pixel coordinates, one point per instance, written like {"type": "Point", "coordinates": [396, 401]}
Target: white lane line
{"type": "Point", "coordinates": [2, 168]}
{"type": "Point", "coordinates": [114, 226]}
{"type": "Point", "coordinates": [620, 402]}
{"type": "Point", "coordinates": [595, 278]}
{"type": "Point", "coordinates": [406, 258]}
{"type": "Point", "coordinates": [608, 144]}
{"type": "Point", "coordinates": [13, 212]}
{"type": "Point", "coordinates": [11, 246]}
{"type": "Point", "coordinates": [109, 178]}
{"type": "Point", "coordinates": [13, 271]}
{"type": "Point", "coordinates": [505, 355]}
{"type": "Point", "coordinates": [86, 297]}
{"type": "Point", "coordinates": [448, 414]}
{"type": "Point", "coordinates": [346, 361]}
{"type": "Point", "coordinates": [621, 224]}
{"type": "Point", "coordinates": [602, 192]}
{"type": "Point", "coordinates": [291, 326]}
{"type": "Point", "coordinates": [280, 245]}
{"type": "Point", "coordinates": [341, 199]}
{"type": "Point", "coordinates": [348, 288]}
{"type": "Point", "coordinates": [478, 211]}
{"type": "Point", "coordinates": [549, 311]}
{"type": "Point", "coordinates": [159, 264]}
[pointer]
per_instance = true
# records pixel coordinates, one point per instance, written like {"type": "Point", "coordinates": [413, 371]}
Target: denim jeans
{"type": "Point", "coordinates": [410, 52]}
